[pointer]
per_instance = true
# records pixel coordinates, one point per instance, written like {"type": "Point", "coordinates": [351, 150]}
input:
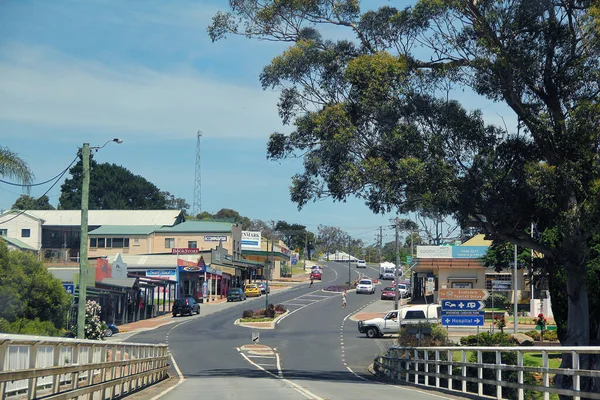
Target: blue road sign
{"type": "Point", "coordinates": [69, 287]}
{"type": "Point", "coordinates": [462, 305]}
{"type": "Point", "coordinates": [463, 320]}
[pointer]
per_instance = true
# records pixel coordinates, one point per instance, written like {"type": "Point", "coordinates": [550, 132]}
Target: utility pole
{"type": "Point", "coordinates": [379, 242]}
{"type": "Point", "coordinates": [83, 236]}
{"type": "Point", "coordinates": [396, 288]}
{"type": "Point", "coordinates": [349, 273]}
{"type": "Point", "coordinates": [305, 248]}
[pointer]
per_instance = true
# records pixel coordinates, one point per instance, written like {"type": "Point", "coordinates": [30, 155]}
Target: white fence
{"type": "Point", "coordinates": [486, 371]}
{"type": "Point", "coordinates": [62, 368]}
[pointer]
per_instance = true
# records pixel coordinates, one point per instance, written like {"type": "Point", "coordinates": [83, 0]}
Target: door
{"type": "Point", "coordinates": [391, 323]}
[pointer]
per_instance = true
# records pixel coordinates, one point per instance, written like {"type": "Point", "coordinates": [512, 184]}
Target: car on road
{"type": "Point", "coordinates": [361, 264]}
{"type": "Point", "coordinates": [388, 276]}
{"type": "Point", "coordinates": [252, 290]}
{"type": "Point", "coordinates": [316, 267]}
{"type": "Point", "coordinates": [365, 286]}
{"type": "Point", "coordinates": [389, 292]}
{"type": "Point", "coordinates": [395, 319]}
{"type": "Point", "coordinates": [185, 306]}
{"type": "Point", "coordinates": [264, 288]}
{"type": "Point", "coordinates": [236, 294]}
{"type": "Point", "coordinates": [316, 274]}
{"type": "Point", "coordinates": [111, 329]}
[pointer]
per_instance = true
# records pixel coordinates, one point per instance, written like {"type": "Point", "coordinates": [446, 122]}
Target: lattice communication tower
{"type": "Point", "coordinates": [197, 205]}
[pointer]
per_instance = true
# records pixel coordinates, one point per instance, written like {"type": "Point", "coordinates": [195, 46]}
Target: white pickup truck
{"type": "Point", "coordinates": [394, 319]}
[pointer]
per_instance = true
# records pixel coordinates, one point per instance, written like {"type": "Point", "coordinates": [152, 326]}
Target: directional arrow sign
{"type": "Point", "coordinates": [462, 305]}
{"type": "Point", "coordinates": [463, 320]}
{"type": "Point", "coordinates": [463, 294]}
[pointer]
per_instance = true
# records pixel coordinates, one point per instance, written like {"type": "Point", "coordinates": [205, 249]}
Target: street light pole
{"type": "Point", "coordinates": [83, 237]}
{"type": "Point", "coordinates": [396, 288]}
{"type": "Point", "coordinates": [515, 297]}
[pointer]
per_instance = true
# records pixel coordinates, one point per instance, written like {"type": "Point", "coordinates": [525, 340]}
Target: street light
{"type": "Point", "coordinates": [83, 236]}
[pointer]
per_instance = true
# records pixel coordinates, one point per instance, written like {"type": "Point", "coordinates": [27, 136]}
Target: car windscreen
{"type": "Point", "coordinates": [180, 302]}
{"type": "Point", "coordinates": [365, 282]}
{"type": "Point", "coordinates": [388, 289]}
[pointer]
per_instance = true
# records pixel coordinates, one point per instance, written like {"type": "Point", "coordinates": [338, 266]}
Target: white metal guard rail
{"type": "Point", "coordinates": [62, 368]}
{"type": "Point", "coordinates": [425, 366]}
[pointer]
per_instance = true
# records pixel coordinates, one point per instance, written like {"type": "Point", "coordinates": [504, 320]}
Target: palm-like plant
{"type": "Point", "coordinates": [13, 166]}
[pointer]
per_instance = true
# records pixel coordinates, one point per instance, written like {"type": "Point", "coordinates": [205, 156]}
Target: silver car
{"type": "Point", "coordinates": [365, 286]}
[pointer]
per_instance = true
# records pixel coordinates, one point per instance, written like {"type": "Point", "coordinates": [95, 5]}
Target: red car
{"type": "Point", "coordinates": [315, 274]}
{"type": "Point", "coordinates": [388, 293]}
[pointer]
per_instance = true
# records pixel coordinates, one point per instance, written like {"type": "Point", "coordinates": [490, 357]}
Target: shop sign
{"type": "Point", "coordinates": [162, 273]}
{"type": "Point", "coordinates": [190, 268]}
{"type": "Point", "coordinates": [469, 251]}
{"type": "Point", "coordinates": [222, 238]}
{"type": "Point", "coordinates": [434, 252]}
{"type": "Point", "coordinates": [185, 251]}
{"type": "Point", "coordinates": [251, 240]}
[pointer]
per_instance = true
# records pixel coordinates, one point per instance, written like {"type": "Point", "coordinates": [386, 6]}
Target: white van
{"type": "Point", "coordinates": [394, 319]}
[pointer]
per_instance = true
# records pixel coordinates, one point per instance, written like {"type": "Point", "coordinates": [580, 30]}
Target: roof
{"type": "Point", "coordinates": [21, 212]}
{"type": "Point", "coordinates": [120, 282]}
{"type": "Point", "coordinates": [64, 274]}
{"type": "Point", "coordinates": [155, 260]}
{"type": "Point", "coordinates": [477, 240]}
{"type": "Point", "coordinates": [107, 217]}
{"type": "Point", "coordinates": [17, 243]}
{"type": "Point", "coordinates": [107, 230]}
{"type": "Point", "coordinates": [198, 227]}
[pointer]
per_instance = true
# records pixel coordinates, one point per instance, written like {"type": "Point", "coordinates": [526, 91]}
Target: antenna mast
{"type": "Point", "coordinates": [197, 205]}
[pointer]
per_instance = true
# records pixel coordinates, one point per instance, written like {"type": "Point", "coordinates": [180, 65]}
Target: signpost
{"type": "Point", "coordinates": [462, 305]}
{"type": "Point", "coordinates": [69, 287]}
{"type": "Point", "coordinates": [255, 337]}
{"type": "Point", "coordinates": [463, 294]}
{"type": "Point", "coordinates": [501, 285]}
{"type": "Point", "coordinates": [463, 319]}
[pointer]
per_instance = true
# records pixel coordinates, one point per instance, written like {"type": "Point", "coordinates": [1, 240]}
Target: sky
{"type": "Point", "coordinates": [73, 72]}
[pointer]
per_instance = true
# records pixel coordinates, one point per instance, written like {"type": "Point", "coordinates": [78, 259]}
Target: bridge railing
{"type": "Point", "coordinates": [489, 371]}
{"type": "Point", "coordinates": [62, 368]}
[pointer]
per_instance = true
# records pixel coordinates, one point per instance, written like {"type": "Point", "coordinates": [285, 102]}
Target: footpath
{"type": "Point", "coordinates": [130, 329]}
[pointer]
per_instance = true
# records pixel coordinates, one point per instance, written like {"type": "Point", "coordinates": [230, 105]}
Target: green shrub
{"type": "Point", "coordinates": [36, 327]}
{"type": "Point", "coordinates": [550, 336]}
{"type": "Point", "coordinates": [438, 336]}
{"type": "Point", "coordinates": [5, 326]}
{"type": "Point", "coordinates": [487, 339]}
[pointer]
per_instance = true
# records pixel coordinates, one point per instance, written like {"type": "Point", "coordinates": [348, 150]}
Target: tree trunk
{"type": "Point", "coordinates": [578, 322]}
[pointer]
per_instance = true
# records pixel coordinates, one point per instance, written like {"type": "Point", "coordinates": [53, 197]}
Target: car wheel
{"type": "Point", "coordinates": [108, 332]}
{"type": "Point", "coordinates": [372, 333]}
{"type": "Point", "coordinates": [174, 315]}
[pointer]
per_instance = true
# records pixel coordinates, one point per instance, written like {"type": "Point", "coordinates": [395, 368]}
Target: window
{"type": "Point", "coordinates": [414, 315]}
{"type": "Point", "coordinates": [4, 232]}
{"type": "Point", "coordinates": [25, 232]}
{"type": "Point", "coordinates": [192, 244]}
{"type": "Point", "coordinates": [169, 243]}
{"type": "Point", "coordinates": [101, 242]}
{"type": "Point", "coordinates": [109, 243]}
{"type": "Point", "coordinates": [115, 243]}
{"type": "Point", "coordinates": [93, 243]}
{"type": "Point", "coordinates": [136, 241]}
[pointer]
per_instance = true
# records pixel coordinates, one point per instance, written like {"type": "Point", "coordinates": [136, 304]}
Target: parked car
{"type": "Point", "coordinates": [316, 274]}
{"type": "Point", "coordinates": [186, 306]}
{"type": "Point", "coordinates": [264, 288]}
{"type": "Point", "coordinates": [236, 294]}
{"type": "Point", "coordinates": [252, 290]}
{"type": "Point", "coordinates": [361, 264]}
{"type": "Point", "coordinates": [365, 286]}
{"type": "Point", "coordinates": [111, 329]}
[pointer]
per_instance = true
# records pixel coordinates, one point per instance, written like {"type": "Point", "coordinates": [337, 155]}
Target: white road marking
{"type": "Point", "coordinates": [308, 394]}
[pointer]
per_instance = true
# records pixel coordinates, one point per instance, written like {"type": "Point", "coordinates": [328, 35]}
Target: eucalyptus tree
{"type": "Point", "coordinates": [377, 114]}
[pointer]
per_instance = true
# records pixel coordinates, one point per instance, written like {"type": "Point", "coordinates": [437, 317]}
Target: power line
{"type": "Point", "coordinates": [41, 183]}
{"type": "Point", "coordinates": [58, 177]}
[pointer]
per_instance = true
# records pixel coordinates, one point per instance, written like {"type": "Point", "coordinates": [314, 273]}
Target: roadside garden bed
{"type": "Point", "coordinates": [263, 315]}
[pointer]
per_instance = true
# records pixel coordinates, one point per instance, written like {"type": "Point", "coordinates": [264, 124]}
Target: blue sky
{"type": "Point", "coordinates": [146, 71]}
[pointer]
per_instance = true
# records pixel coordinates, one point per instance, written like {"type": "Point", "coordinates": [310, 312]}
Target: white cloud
{"type": "Point", "coordinates": [45, 87]}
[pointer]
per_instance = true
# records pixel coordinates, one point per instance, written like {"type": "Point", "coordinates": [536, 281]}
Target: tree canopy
{"type": "Point", "coordinates": [380, 117]}
{"type": "Point", "coordinates": [13, 166]}
{"type": "Point", "coordinates": [112, 187]}
{"type": "Point", "coordinates": [28, 293]}
{"type": "Point", "coordinates": [26, 202]}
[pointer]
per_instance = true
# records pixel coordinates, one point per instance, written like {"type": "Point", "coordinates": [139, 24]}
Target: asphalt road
{"type": "Point", "coordinates": [315, 352]}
